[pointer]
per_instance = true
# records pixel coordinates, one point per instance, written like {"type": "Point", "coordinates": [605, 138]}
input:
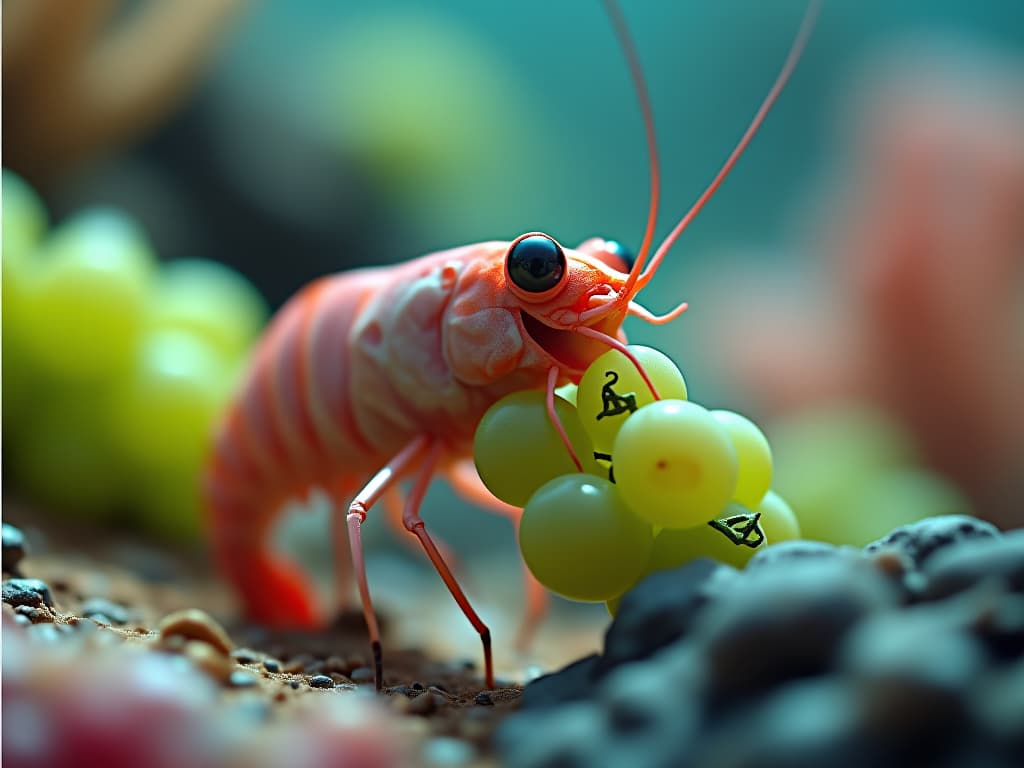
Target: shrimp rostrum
{"type": "Point", "coordinates": [372, 377]}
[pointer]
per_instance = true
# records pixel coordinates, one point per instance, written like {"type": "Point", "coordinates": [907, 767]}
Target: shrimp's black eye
{"type": "Point", "coordinates": [625, 256]}
{"type": "Point", "coordinates": [536, 264]}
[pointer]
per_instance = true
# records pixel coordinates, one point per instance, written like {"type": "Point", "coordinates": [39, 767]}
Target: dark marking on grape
{"type": "Point", "coordinates": [613, 403]}
{"type": "Point", "coordinates": [611, 468]}
{"type": "Point", "coordinates": [741, 530]}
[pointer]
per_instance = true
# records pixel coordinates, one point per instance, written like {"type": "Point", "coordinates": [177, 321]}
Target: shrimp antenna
{"type": "Point", "coordinates": [640, 86]}
{"type": "Point", "coordinates": [797, 49]}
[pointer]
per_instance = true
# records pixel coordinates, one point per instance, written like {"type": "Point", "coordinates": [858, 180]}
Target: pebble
{"type": "Point", "coordinates": [426, 703]}
{"type": "Point", "coordinates": [210, 660]}
{"type": "Point", "coordinates": [483, 699]}
{"type": "Point", "coordinates": [105, 611]}
{"type": "Point", "coordinates": [364, 675]}
{"type": "Point", "coordinates": [321, 681]}
{"type": "Point", "coordinates": [194, 624]}
{"type": "Point", "coordinates": [572, 683]}
{"type": "Point", "coordinates": [14, 548]}
{"type": "Point", "coordinates": [31, 592]}
{"type": "Point", "coordinates": [241, 678]}
{"type": "Point", "coordinates": [271, 665]}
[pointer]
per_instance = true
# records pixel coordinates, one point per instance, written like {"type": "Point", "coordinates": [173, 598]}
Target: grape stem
{"type": "Point", "coordinates": [549, 403]}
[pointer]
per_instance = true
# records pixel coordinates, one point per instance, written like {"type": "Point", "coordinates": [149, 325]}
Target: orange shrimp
{"type": "Point", "coordinates": [371, 377]}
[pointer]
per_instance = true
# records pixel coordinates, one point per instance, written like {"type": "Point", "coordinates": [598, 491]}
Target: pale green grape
{"type": "Point", "coordinates": [732, 539]}
{"type": "Point", "coordinates": [612, 388]}
{"type": "Point", "coordinates": [211, 300]}
{"type": "Point", "coordinates": [168, 404]}
{"type": "Point", "coordinates": [67, 461]}
{"type": "Point", "coordinates": [889, 499]}
{"type": "Point", "coordinates": [24, 224]}
{"type": "Point", "coordinates": [580, 540]}
{"type": "Point", "coordinates": [169, 505]}
{"type": "Point", "coordinates": [675, 464]}
{"type": "Point", "coordinates": [517, 449]}
{"type": "Point", "coordinates": [754, 456]}
{"type": "Point", "coordinates": [85, 311]}
{"type": "Point", "coordinates": [568, 392]}
{"type": "Point", "coordinates": [825, 459]}
{"type": "Point", "coordinates": [778, 519]}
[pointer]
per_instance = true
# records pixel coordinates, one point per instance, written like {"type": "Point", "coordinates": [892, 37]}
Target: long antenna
{"type": "Point", "coordinates": [640, 85]}
{"type": "Point", "coordinates": [810, 16]}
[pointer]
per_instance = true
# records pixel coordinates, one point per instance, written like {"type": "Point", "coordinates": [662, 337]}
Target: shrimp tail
{"type": "Point", "coordinates": [273, 590]}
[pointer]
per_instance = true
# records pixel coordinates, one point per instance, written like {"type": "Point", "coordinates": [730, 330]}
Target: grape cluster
{"type": "Point", "coordinates": [115, 366]}
{"type": "Point", "coordinates": [908, 652]}
{"type": "Point", "coordinates": [662, 480]}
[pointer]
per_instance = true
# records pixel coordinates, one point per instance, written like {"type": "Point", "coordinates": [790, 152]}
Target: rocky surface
{"type": "Point", "coordinates": [908, 652]}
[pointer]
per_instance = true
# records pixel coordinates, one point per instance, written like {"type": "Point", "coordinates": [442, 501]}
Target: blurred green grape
{"type": "Point", "coordinates": [85, 309]}
{"type": "Point", "coordinates": [675, 464]}
{"type": "Point", "coordinates": [210, 300]}
{"type": "Point", "coordinates": [733, 539]}
{"type": "Point", "coordinates": [67, 460]}
{"type": "Point", "coordinates": [754, 456]}
{"type": "Point", "coordinates": [887, 500]}
{"type": "Point", "coordinates": [580, 540]}
{"type": "Point", "coordinates": [517, 450]}
{"type": "Point", "coordinates": [169, 402]}
{"type": "Point", "coordinates": [612, 388]}
{"type": "Point", "coordinates": [778, 520]}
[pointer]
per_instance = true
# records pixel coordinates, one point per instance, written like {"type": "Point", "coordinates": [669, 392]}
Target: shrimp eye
{"type": "Point", "coordinates": [621, 253]}
{"type": "Point", "coordinates": [536, 263]}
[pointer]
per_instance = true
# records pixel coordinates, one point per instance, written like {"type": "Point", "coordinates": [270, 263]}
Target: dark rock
{"type": "Point", "coordinates": [787, 551]}
{"type": "Point", "coordinates": [362, 675]}
{"type": "Point", "coordinates": [321, 681]}
{"type": "Point", "coordinates": [573, 683]}
{"type": "Point", "coordinates": [924, 538]}
{"type": "Point", "coordinates": [785, 623]}
{"type": "Point", "coordinates": [32, 592]}
{"type": "Point", "coordinates": [659, 610]}
{"type": "Point", "coordinates": [271, 665]}
{"type": "Point", "coordinates": [483, 699]}
{"type": "Point", "coordinates": [14, 548]}
{"type": "Point", "coordinates": [999, 560]}
{"type": "Point", "coordinates": [570, 736]}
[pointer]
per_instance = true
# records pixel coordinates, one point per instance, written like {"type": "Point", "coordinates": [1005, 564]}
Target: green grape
{"type": "Point", "coordinates": [168, 404]}
{"type": "Point", "coordinates": [732, 539]}
{"type": "Point", "coordinates": [889, 499]}
{"type": "Point", "coordinates": [754, 456]}
{"type": "Point", "coordinates": [86, 306]}
{"type": "Point", "coordinates": [778, 520]}
{"type": "Point", "coordinates": [612, 388]}
{"type": "Point", "coordinates": [568, 392]}
{"type": "Point", "coordinates": [168, 504]}
{"type": "Point", "coordinates": [824, 461]}
{"type": "Point", "coordinates": [675, 464]}
{"type": "Point", "coordinates": [211, 300]}
{"type": "Point", "coordinates": [517, 449]}
{"type": "Point", "coordinates": [24, 225]}
{"type": "Point", "coordinates": [67, 461]}
{"type": "Point", "coordinates": [580, 540]}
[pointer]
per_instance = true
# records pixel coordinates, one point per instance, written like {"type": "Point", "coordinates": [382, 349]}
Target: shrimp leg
{"type": "Point", "coordinates": [464, 480]}
{"type": "Point", "coordinates": [364, 500]}
{"type": "Point", "coordinates": [415, 525]}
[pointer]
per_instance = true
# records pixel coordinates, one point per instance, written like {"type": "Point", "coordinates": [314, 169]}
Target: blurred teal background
{"type": "Point", "coordinates": [324, 135]}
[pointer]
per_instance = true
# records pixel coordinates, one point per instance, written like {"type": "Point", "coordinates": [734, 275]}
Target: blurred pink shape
{"type": "Point", "coordinates": [920, 308]}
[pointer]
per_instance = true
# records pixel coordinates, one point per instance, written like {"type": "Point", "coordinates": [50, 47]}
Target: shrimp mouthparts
{"type": "Point", "coordinates": [571, 350]}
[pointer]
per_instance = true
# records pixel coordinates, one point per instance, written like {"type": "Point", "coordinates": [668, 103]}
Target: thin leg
{"type": "Point", "coordinates": [394, 511]}
{"type": "Point", "coordinates": [465, 481]}
{"type": "Point", "coordinates": [414, 523]}
{"type": "Point", "coordinates": [366, 498]}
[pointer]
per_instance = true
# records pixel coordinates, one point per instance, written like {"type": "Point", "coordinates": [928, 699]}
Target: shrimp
{"type": "Point", "coordinates": [368, 378]}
